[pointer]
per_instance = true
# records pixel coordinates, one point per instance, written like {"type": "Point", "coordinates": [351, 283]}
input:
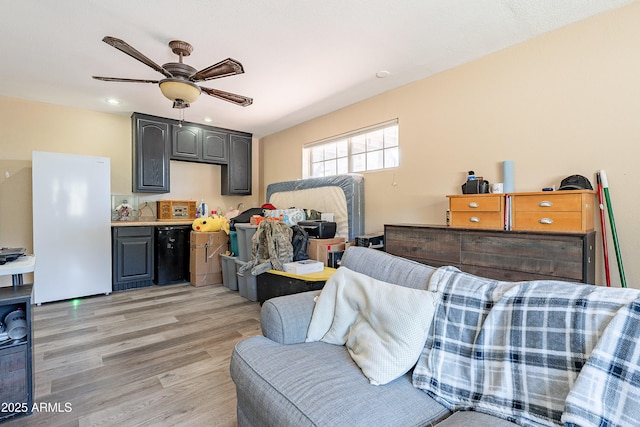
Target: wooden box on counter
{"type": "Point", "coordinates": [176, 209]}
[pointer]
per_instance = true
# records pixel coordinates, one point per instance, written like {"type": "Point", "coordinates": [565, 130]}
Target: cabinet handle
{"type": "Point", "coordinates": [545, 204]}
{"type": "Point", "coordinates": [545, 221]}
{"type": "Point", "coordinates": [473, 204]}
{"type": "Point", "coordinates": [474, 219]}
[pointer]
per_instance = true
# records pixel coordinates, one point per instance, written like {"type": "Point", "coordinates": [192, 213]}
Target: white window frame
{"type": "Point", "coordinates": [357, 160]}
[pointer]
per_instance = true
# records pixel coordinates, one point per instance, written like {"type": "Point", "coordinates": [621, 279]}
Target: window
{"type": "Point", "coordinates": [369, 149]}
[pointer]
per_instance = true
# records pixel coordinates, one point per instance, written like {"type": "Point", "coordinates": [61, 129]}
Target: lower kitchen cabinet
{"type": "Point", "coordinates": [16, 356]}
{"type": "Point", "coordinates": [132, 257]}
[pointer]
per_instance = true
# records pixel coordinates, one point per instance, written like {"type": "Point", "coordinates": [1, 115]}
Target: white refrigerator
{"type": "Point", "coordinates": [71, 226]}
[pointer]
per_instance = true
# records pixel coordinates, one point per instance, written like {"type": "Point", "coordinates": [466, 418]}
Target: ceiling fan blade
{"type": "Point", "coordinates": [227, 67]}
{"type": "Point", "coordinates": [123, 46]}
{"type": "Point", "coordinates": [117, 79]}
{"type": "Point", "coordinates": [243, 101]}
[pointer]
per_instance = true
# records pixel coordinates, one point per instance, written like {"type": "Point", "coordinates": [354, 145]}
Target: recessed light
{"type": "Point", "coordinates": [113, 101]}
{"type": "Point", "coordinates": [208, 119]}
{"type": "Point", "coordinates": [382, 74]}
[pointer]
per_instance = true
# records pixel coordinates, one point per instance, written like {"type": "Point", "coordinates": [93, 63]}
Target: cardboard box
{"type": "Point", "coordinates": [205, 266]}
{"type": "Point", "coordinates": [303, 267]}
{"type": "Point", "coordinates": [205, 279]}
{"type": "Point", "coordinates": [319, 248]}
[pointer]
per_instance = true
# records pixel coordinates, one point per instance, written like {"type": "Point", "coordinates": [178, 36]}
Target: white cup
{"type": "Point", "coordinates": [497, 188]}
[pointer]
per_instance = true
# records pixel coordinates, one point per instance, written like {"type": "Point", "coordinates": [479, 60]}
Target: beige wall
{"type": "Point", "coordinates": [27, 126]}
{"type": "Point", "coordinates": [562, 104]}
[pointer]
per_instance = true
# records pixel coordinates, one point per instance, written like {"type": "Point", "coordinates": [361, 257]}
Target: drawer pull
{"type": "Point", "coordinates": [474, 219]}
{"type": "Point", "coordinates": [545, 204]}
{"type": "Point", "coordinates": [473, 204]}
{"type": "Point", "coordinates": [545, 221]}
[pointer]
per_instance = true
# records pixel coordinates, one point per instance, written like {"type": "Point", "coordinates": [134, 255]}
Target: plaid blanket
{"type": "Point", "coordinates": [512, 349]}
{"type": "Point", "coordinates": [607, 391]}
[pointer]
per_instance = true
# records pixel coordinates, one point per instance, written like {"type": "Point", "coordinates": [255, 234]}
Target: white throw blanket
{"type": "Point", "coordinates": [384, 326]}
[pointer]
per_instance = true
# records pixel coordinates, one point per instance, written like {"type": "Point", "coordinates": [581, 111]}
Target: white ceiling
{"type": "Point", "coordinates": [302, 58]}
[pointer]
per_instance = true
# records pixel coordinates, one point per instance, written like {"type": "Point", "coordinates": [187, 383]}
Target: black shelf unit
{"type": "Point", "coordinates": [16, 357]}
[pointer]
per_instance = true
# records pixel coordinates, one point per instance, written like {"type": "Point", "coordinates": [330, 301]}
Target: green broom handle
{"type": "Point", "coordinates": [614, 233]}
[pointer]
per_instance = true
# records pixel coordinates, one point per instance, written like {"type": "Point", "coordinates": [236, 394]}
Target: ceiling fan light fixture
{"type": "Point", "coordinates": [181, 92]}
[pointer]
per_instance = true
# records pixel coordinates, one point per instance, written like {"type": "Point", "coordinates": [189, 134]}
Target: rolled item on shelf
{"type": "Point", "coordinates": [507, 176]}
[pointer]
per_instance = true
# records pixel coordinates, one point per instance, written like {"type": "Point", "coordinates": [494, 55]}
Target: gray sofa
{"type": "Point", "coordinates": [281, 380]}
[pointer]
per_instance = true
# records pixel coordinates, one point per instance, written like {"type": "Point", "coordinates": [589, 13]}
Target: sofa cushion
{"type": "Point", "coordinates": [475, 419]}
{"type": "Point", "coordinates": [384, 326]}
{"type": "Point", "coordinates": [386, 267]}
{"type": "Point", "coordinates": [512, 349]}
{"type": "Point", "coordinates": [317, 384]}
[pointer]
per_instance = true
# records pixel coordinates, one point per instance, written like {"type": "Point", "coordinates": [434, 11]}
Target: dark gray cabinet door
{"type": "Point", "coordinates": [186, 143]}
{"type": "Point", "coordinates": [215, 146]}
{"type": "Point", "coordinates": [133, 253]}
{"type": "Point", "coordinates": [236, 176]}
{"type": "Point", "coordinates": [150, 155]}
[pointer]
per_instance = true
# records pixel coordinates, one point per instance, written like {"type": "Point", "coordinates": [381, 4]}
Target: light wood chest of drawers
{"type": "Point", "coordinates": [570, 211]}
{"type": "Point", "coordinates": [483, 211]}
{"type": "Point", "coordinates": [557, 211]}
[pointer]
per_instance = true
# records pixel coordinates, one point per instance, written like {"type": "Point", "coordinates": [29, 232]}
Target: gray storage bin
{"type": "Point", "coordinates": [229, 276]}
{"type": "Point", "coordinates": [245, 232]}
{"type": "Point", "coordinates": [247, 283]}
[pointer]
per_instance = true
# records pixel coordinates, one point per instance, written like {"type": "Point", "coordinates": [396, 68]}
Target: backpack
{"type": "Point", "coordinates": [270, 247]}
{"type": "Point", "coordinates": [300, 243]}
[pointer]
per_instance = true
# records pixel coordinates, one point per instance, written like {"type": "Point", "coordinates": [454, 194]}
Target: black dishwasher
{"type": "Point", "coordinates": [171, 254]}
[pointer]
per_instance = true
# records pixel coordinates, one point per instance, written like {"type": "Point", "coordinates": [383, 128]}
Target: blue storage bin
{"type": "Point", "coordinates": [233, 239]}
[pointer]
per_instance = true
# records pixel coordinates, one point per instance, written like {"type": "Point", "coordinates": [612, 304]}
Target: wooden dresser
{"type": "Point", "coordinates": [570, 211]}
{"type": "Point", "coordinates": [497, 254]}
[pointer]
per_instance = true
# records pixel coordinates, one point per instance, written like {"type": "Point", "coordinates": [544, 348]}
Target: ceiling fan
{"type": "Point", "coordinates": [179, 84]}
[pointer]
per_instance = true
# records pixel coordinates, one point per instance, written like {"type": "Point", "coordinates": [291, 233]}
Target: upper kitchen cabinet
{"type": "Point", "coordinates": [215, 146]}
{"type": "Point", "coordinates": [151, 142]}
{"type": "Point", "coordinates": [236, 176]}
{"type": "Point", "coordinates": [157, 140]}
{"type": "Point", "coordinates": [186, 143]}
{"type": "Point", "coordinates": [201, 144]}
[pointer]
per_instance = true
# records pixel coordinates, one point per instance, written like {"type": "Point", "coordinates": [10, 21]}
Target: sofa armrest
{"type": "Point", "coordinates": [286, 319]}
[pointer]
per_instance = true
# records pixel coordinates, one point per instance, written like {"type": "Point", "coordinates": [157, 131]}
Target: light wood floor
{"type": "Point", "coordinates": [153, 356]}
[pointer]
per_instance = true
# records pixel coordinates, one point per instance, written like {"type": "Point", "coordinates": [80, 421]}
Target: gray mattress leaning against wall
{"type": "Point", "coordinates": [352, 186]}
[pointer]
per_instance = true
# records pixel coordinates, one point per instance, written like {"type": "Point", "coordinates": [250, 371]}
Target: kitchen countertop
{"type": "Point", "coordinates": [156, 223]}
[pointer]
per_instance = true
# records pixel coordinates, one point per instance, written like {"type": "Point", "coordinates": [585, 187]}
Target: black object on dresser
{"type": "Point", "coordinates": [502, 255]}
{"type": "Point", "coordinates": [16, 356]}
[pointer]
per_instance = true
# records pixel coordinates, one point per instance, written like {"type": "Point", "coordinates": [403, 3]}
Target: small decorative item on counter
{"type": "Point", "coordinates": [145, 213]}
{"type": "Point", "coordinates": [202, 209]}
{"type": "Point", "coordinates": [124, 208]}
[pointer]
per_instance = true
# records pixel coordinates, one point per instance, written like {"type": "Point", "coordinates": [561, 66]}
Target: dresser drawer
{"type": "Point", "coordinates": [549, 221]}
{"type": "Point", "coordinates": [476, 202]}
{"type": "Point", "coordinates": [482, 220]}
{"type": "Point", "coordinates": [548, 202]}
